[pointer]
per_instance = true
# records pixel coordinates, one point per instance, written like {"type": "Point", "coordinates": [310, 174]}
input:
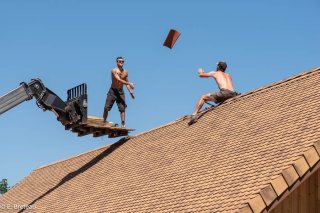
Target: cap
{"type": "Point", "coordinates": [222, 65]}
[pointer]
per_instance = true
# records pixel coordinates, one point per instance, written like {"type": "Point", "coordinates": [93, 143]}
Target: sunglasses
{"type": "Point", "coordinates": [121, 61]}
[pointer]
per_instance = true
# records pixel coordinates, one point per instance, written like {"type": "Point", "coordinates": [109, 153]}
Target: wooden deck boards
{"type": "Point", "coordinates": [97, 128]}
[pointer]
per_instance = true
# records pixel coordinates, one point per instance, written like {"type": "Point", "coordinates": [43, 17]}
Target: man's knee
{"type": "Point", "coordinates": [107, 109]}
{"type": "Point", "coordinates": [108, 105]}
{"type": "Point", "coordinates": [205, 97]}
{"type": "Point", "coordinates": [122, 107]}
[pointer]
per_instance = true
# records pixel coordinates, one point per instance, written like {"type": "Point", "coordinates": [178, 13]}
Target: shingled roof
{"type": "Point", "coordinates": [244, 155]}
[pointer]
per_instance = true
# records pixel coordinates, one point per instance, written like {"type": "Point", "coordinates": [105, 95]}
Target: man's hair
{"type": "Point", "coordinates": [222, 65]}
{"type": "Point", "coordinates": [120, 57]}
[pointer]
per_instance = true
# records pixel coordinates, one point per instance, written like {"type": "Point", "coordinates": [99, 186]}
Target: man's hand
{"type": "Point", "coordinates": [131, 85]}
{"type": "Point", "coordinates": [200, 71]}
{"type": "Point", "coordinates": [202, 74]}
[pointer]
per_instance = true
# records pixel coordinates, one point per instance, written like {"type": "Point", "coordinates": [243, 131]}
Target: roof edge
{"type": "Point", "coordinates": [286, 182]}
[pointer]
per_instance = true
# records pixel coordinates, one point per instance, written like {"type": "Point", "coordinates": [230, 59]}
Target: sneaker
{"type": "Point", "coordinates": [193, 119]}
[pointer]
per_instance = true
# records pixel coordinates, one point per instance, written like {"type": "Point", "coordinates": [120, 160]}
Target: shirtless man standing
{"type": "Point", "coordinates": [119, 77]}
{"type": "Point", "coordinates": [224, 82]}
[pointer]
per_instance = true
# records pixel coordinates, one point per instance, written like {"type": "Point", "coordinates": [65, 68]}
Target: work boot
{"type": "Point", "coordinates": [193, 119]}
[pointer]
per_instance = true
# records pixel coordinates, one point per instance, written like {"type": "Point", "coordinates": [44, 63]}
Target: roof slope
{"type": "Point", "coordinates": [242, 155]}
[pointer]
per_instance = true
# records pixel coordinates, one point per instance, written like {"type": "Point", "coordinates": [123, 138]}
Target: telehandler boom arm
{"type": "Point", "coordinates": [73, 111]}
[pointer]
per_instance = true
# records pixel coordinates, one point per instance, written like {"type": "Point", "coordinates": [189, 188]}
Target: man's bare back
{"type": "Point", "coordinates": [223, 80]}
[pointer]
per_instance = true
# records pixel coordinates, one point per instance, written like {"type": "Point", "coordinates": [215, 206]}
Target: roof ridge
{"type": "Point", "coordinates": [279, 187]}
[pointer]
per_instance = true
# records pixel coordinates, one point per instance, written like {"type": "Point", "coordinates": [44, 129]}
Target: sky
{"type": "Point", "coordinates": [66, 43]}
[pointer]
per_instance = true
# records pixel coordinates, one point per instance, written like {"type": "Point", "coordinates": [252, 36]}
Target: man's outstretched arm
{"type": "Point", "coordinates": [202, 74]}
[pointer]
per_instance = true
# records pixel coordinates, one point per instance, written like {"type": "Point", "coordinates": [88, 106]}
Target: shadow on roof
{"type": "Point", "coordinates": [82, 169]}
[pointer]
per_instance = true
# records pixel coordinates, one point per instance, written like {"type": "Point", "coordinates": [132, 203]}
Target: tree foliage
{"type": "Point", "coordinates": [4, 186]}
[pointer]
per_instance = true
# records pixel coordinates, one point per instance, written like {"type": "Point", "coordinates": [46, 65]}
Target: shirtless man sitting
{"type": "Point", "coordinates": [119, 77]}
{"type": "Point", "coordinates": [225, 85]}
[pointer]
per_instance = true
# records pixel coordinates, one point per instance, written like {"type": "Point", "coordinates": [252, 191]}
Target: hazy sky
{"type": "Point", "coordinates": [69, 42]}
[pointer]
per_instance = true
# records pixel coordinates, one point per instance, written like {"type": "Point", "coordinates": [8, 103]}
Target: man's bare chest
{"type": "Point", "coordinates": [122, 75]}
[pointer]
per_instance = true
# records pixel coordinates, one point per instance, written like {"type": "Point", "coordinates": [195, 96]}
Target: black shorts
{"type": "Point", "coordinates": [118, 96]}
{"type": "Point", "coordinates": [221, 96]}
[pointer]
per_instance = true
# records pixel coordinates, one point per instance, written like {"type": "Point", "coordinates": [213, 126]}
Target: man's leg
{"type": "Point", "coordinates": [200, 104]}
{"type": "Point", "coordinates": [105, 115]}
{"type": "Point", "coordinates": [121, 102]}
{"type": "Point", "coordinates": [108, 105]}
{"type": "Point", "coordinates": [123, 119]}
{"type": "Point", "coordinates": [194, 116]}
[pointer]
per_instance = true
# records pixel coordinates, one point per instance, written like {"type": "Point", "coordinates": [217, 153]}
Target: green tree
{"type": "Point", "coordinates": [4, 186]}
